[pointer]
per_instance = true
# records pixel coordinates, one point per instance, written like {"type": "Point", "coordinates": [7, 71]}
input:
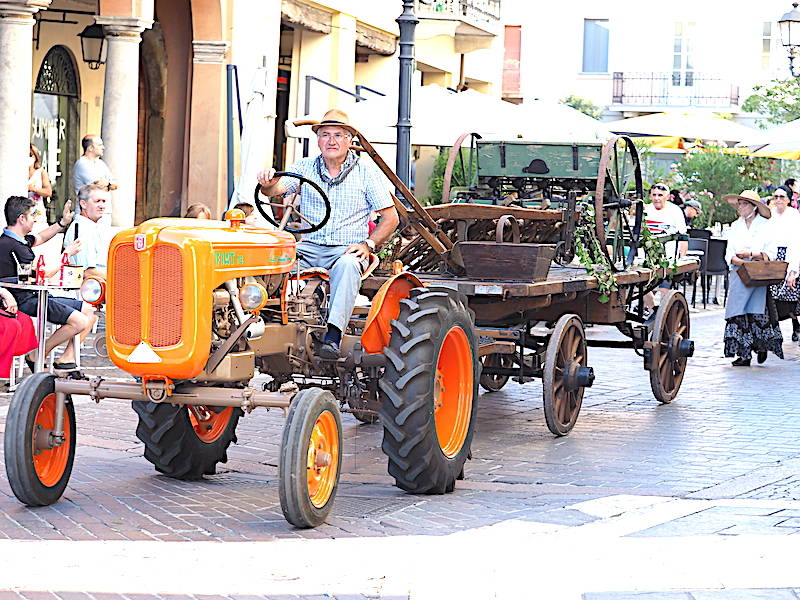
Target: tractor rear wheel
{"type": "Point", "coordinates": [185, 442]}
{"type": "Point", "coordinates": [311, 458]}
{"type": "Point", "coordinates": [38, 471]}
{"type": "Point", "coordinates": [429, 391]}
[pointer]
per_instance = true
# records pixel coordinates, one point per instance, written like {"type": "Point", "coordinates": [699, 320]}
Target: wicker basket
{"type": "Point", "coordinates": [760, 273]}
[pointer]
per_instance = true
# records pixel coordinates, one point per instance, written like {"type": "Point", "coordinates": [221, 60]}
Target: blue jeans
{"type": "Point", "coordinates": [345, 277]}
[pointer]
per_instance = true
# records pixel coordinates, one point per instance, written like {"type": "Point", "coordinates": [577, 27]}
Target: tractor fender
{"type": "Point", "coordinates": [385, 307]}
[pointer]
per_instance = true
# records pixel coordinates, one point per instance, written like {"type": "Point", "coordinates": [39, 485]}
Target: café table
{"type": "Point", "coordinates": [42, 292]}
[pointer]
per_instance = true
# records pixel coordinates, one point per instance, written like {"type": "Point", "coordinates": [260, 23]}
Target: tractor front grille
{"type": "Point", "coordinates": [124, 296]}
{"type": "Point", "coordinates": [167, 297]}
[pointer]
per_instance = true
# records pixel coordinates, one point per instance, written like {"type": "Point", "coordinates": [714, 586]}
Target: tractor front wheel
{"type": "Point", "coordinates": [185, 442]}
{"type": "Point", "coordinates": [37, 465]}
{"type": "Point", "coordinates": [429, 391]}
{"type": "Point", "coordinates": [311, 458]}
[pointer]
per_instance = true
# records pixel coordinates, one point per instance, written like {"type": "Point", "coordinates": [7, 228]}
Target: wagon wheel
{"type": "Point", "coordinates": [291, 218]}
{"type": "Point", "coordinates": [38, 465]}
{"type": "Point", "coordinates": [494, 383]}
{"type": "Point", "coordinates": [617, 200]}
{"type": "Point", "coordinates": [671, 346]}
{"type": "Point", "coordinates": [311, 458]}
{"type": "Point", "coordinates": [565, 374]}
{"type": "Point", "coordinates": [461, 172]}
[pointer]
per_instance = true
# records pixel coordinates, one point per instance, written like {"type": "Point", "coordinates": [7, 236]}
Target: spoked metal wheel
{"type": "Point", "coordinates": [311, 458]}
{"type": "Point", "coordinates": [491, 382]}
{"type": "Point", "coordinates": [565, 374]}
{"type": "Point", "coordinates": [617, 200]}
{"type": "Point", "coordinates": [461, 171]}
{"type": "Point", "coordinates": [37, 464]}
{"type": "Point", "coordinates": [670, 346]}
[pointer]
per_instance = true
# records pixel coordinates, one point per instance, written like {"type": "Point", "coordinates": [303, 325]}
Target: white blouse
{"type": "Point", "coordinates": [756, 238]}
{"type": "Point", "coordinates": [786, 233]}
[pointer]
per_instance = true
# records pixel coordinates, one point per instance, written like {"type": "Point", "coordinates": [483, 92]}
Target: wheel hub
{"type": "Point", "coordinates": [577, 376]}
{"type": "Point", "coordinates": [677, 347]}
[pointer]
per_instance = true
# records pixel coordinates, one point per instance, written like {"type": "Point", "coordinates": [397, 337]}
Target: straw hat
{"type": "Point", "coordinates": [753, 198]}
{"type": "Point", "coordinates": [335, 118]}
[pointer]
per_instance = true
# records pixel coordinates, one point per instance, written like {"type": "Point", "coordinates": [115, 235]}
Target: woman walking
{"type": "Point", "coordinates": [785, 223]}
{"type": "Point", "coordinates": [749, 324]}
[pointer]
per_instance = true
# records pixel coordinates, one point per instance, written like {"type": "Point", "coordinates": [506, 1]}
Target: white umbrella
{"type": "Point", "coordinates": [696, 125]}
{"type": "Point", "coordinates": [253, 152]}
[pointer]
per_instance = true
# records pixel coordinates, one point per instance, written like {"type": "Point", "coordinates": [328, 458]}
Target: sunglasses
{"type": "Point", "coordinates": [779, 196]}
{"type": "Point", "coordinates": [659, 187]}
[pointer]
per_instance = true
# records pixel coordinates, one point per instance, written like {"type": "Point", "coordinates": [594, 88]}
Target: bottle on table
{"type": "Point", "coordinates": [40, 277]}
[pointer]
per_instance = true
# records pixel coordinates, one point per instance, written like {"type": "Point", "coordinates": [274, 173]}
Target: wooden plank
{"type": "Point", "coordinates": [560, 280]}
{"type": "Point", "coordinates": [467, 210]}
{"type": "Point", "coordinates": [497, 348]}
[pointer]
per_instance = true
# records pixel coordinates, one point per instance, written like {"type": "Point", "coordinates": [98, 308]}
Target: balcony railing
{"type": "Point", "coordinates": [674, 88]}
{"type": "Point", "coordinates": [469, 11]}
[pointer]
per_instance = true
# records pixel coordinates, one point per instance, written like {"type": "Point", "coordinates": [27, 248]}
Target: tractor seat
{"type": "Point", "coordinates": [310, 272]}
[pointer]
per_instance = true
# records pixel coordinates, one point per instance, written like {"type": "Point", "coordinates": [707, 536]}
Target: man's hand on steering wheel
{"type": "Point", "coordinates": [267, 180]}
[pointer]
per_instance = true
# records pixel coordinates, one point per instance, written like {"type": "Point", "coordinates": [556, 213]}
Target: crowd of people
{"type": "Point", "coordinates": [766, 229]}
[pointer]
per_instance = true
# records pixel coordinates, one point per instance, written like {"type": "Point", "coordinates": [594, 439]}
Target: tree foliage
{"type": "Point", "coordinates": [779, 100]}
{"type": "Point", "coordinates": [584, 105]}
{"type": "Point", "coordinates": [707, 174]}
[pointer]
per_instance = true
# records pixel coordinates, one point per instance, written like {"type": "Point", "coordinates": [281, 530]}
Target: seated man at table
{"type": "Point", "coordinates": [16, 242]}
{"type": "Point", "coordinates": [93, 235]}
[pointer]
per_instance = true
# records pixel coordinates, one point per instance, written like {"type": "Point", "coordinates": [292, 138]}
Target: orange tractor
{"type": "Point", "coordinates": [196, 308]}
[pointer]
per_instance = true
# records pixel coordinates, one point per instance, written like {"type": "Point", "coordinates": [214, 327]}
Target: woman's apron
{"type": "Point", "coordinates": [743, 300]}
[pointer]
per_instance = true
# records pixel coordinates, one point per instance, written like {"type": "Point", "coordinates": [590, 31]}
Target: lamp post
{"type": "Point", "coordinates": [407, 22]}
{"type": "Point", "coordinates": [790, 36]}
{"type": "Point", "coordinates": [93, 46]}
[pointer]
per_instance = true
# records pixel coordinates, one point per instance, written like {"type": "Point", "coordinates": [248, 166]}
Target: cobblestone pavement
{"type": "Point", "coordinates": [696, 499]}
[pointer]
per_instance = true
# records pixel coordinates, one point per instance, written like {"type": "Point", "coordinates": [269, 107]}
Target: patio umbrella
{"type": "Point", "coordinates": [253, 150]}
{"type": "Point", "coordinates": [695, 125]}
{"type": "Point", "coordinates": [439, 116]}
{"type": "Point", "coordinates": [781, 141]}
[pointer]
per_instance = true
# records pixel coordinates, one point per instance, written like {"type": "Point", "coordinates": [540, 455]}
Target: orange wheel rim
{"type": "Point", "coordinates": [452, 398]}
{"type": "Point", "coordinates": [322, 463]}
{"type": "Point", "coordinates": [209, 425]}
{"type": "Point", "coordinates": [50, 463]}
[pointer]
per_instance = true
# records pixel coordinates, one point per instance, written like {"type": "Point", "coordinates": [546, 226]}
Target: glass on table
{"type": "Point", "coordinates": [24, 272]}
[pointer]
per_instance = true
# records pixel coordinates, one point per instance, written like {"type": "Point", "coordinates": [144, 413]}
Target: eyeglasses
{"type": "Point", "coordinates": [336, 136]}
{"type": "Point", "coordinates": [658, 186]}
{"type": "Point", "coordinates": [779, 196]}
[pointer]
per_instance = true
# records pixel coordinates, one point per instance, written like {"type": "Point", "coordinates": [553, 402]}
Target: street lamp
{"type": "Point", "coordinates": [93, 46]}
{"type": "Point", "coordinates": [790, 36]}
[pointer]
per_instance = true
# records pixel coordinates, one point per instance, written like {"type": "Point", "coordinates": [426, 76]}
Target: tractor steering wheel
{"type": "Point", "coordinates": [290, 208]}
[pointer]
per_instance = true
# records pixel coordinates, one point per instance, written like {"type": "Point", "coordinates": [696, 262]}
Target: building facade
{"type": "Point", "coordinates": [635, 58]}
{"type": "Point", "coordinates": [164, 98]}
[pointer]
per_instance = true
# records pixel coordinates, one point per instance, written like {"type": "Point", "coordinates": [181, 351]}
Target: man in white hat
{"type": "Point", "coordinates": [355, 188]}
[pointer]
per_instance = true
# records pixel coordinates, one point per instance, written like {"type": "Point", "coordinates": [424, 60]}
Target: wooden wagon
{"type": "Point", "coordinates": [564, 199]}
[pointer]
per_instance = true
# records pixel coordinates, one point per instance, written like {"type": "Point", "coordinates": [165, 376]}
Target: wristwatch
{"type": "Point", "coordinates": [371, 244]}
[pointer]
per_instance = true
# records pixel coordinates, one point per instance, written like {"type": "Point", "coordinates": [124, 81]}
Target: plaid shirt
{"type": "Point", "coordinates": [357, 191]}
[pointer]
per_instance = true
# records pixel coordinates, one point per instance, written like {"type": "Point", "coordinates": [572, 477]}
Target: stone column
{"type": "Point", "coordinates": [120, 111]}
{"type": "Point", "coordinates": [16, 67]}
{"type": "Point", "coordinates": [207, 147]}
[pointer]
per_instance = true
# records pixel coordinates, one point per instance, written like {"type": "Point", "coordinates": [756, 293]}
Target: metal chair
{"type": "Point", "coordinates": [716, 264]}
{"type": "Point", "coordinates": [699, 248]}
{"type": "Point", "coordinates": [702, 234]}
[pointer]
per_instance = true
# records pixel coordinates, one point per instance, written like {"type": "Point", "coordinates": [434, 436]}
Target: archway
{"type": "Point", "coordinates": [56, 122]}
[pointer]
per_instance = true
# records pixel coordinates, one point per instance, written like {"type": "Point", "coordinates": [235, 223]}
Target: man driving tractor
{"type": "Point", "coordinates": [343, 246]}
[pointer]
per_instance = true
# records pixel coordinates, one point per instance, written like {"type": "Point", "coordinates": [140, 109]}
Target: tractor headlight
{"type": "Point", "coordinates": [253, 296]}
{"type": "Point", "coordinates": [93, 290]}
